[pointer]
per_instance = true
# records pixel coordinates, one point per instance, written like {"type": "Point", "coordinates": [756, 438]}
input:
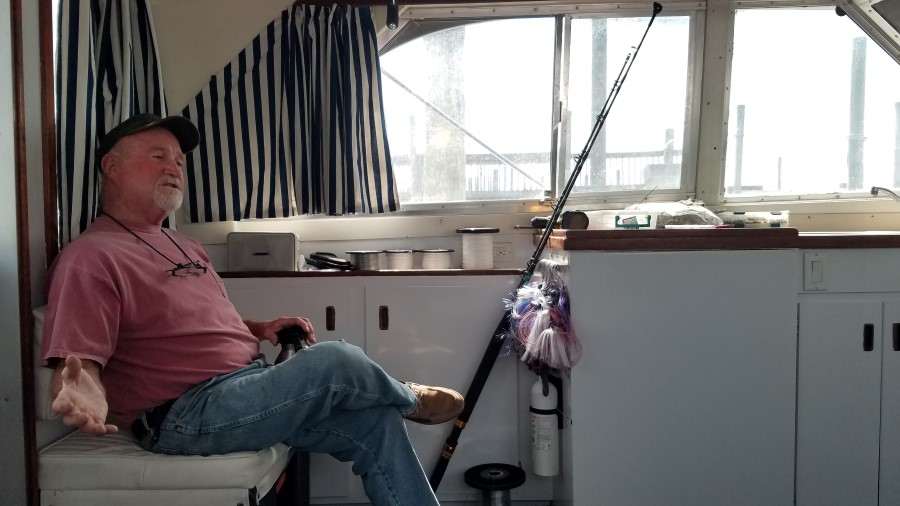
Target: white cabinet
{"type": "Point", "coordinates": [435, 330]}
{"type": "Point", "coordinates": [686, 391]}
{"type": "Point", "coordinates": [848, 385]}
{"type": "Point", "coordinates": [427, 329]}
{"type": "Point", "coordinates": [332, 305]}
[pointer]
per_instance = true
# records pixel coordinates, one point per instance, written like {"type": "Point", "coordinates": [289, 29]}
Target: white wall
{"type": "Point", "coordinates": [197, 38]}
{"type": "Point", "coordinates": [12, 447]}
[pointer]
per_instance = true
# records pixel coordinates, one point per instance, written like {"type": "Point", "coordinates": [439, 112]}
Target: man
{"type": "Point", "coordinates": [139, 327]}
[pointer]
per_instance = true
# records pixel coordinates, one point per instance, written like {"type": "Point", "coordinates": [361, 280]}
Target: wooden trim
{"type": "Point", "coordinates": [713, 239]}
{"type": "Point", "coordinates": [26, 324]}
{"type": "Point", "coordinates": [48, 127]}
{"type": "Point", "coordinates": [380, 273]}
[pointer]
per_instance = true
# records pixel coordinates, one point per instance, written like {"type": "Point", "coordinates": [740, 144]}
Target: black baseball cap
{"type": "Point", "coordinates": [181, 127]}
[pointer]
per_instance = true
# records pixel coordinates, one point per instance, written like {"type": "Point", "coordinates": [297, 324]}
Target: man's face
{"type": "Point", "coordinates": [148, 170]}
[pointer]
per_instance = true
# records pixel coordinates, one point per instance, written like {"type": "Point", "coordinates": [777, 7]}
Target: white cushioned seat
{"type": "Point", "coordinates": [84, 469]}
{"type": "Point", "coordinates": [116, 461]}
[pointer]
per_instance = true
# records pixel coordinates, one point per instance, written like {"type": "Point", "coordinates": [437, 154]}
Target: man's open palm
{"type": "Point", "coordinates": [81, 401]}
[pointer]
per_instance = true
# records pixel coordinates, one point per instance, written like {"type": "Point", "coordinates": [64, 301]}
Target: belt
{"type": "Point", "coordinates": [148, 422]}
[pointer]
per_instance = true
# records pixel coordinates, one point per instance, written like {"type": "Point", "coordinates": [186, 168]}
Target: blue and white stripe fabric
{"type": "Point", "coordinates": [108, 71]}
{"type": "Point", "coordinates": [293, 124]}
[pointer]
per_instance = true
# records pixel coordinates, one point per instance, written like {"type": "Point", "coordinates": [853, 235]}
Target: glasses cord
{"type": "Point", "coordinates": [158, 252]}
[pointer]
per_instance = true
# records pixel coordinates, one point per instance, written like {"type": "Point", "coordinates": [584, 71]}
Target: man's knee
{"type": "Point", "coordinates": [339, 352]}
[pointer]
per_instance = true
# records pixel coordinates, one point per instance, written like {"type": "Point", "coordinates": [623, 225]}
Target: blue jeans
{"type": "Point", "coordinates": [328, 398]}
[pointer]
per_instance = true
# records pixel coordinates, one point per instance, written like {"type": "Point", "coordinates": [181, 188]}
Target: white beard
{"type": "Point", "coordinates": [168, 199]}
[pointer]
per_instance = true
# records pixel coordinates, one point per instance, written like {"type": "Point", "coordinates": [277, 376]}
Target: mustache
{"type": "Point", "coordinates": [169, 180]}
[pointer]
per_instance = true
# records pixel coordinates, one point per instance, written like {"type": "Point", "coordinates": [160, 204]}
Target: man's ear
{"type": "Point", "coordinates": [108, 165]}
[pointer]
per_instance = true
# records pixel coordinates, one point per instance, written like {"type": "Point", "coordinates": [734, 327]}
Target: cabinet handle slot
{"type": "Point", "coordinates": [868, 337]}
{"type": "Point", "coordinates": [329, 318]}
{"type": "Point", "coordinates": [383, 320]}
{"type": "Point", "coordinates": [896, 336]}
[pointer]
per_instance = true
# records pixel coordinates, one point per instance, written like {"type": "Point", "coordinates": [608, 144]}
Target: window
{"type": "Point", "coordinates": [473, 110]}
{"type": "Point", "coordinates": [468, 111]}
{"type": "Point", "coordinates": [814, 107]}
{"type": "Point", "coordinates": [811, 105]}
{"type": "Point", "coordinates": [640, 146]}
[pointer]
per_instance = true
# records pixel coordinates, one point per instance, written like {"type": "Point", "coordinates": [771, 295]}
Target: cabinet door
{"type": "Point", "coordinates": [328, 303]}
{"type": "Point", "coordinates": [838, 403]}
{"type": "Point", "coordinates": [435, 331]}
{"type": "Point", "coordinates": [685, 394]}
{"type": "Point", "coordinates": [889, 485]}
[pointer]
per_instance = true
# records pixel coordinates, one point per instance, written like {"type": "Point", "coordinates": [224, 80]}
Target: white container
{"type": "Point", "coordinates": [263, 251]}
{"type": "Point", "coordinates": [435, 258]}
{"type": "Point", "coordinates": [478, 247]}
{"type": "Point", "coordinates": [398, 259]}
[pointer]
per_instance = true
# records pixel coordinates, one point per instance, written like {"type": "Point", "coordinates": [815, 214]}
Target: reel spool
{"type": "Point", "coordinates": [495, 481]}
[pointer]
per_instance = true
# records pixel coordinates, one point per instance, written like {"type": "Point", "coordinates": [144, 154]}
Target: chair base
{"type": "Point", "coordinates": [85, 470]}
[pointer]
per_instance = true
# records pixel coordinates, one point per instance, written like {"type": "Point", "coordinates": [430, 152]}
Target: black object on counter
{"type": "Point", "coordinates": [324, 260]}
{"type": "Point", "coordinates": [571, 220]}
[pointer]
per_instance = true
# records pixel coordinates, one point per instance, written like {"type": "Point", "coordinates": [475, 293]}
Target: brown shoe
{"type": "Point", "coordinates": [435, 404]}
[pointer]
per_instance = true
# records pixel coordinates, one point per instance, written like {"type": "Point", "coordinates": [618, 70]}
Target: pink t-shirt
{"type": "Point", "coordinates": [114, 300]}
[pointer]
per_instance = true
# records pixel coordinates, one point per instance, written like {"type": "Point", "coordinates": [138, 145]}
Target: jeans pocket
{"type": "Point", "coordinates": [187, 412]}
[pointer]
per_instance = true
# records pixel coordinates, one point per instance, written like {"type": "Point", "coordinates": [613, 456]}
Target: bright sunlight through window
{"type": "Point", "coordinates": [468, 112]}
{"type": "Point", "coordinates": [814, 107]}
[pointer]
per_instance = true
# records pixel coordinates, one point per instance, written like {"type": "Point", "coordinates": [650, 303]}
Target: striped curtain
{"type": "Point", "coordinates": [107, 71]}
{"type": "Point", "coordinates": [293, 124]}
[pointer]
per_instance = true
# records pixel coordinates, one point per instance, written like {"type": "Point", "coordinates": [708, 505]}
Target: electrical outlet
{"type": "Point", "coordinates": [502, 252]}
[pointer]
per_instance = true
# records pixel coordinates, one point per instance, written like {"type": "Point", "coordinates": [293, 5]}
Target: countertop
{"type": "Point", "coordinates": [648, 240]}
{"type": "Point", "coordinates": [716, 239]}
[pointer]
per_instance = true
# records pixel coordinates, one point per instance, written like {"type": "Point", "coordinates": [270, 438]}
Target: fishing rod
{"type": "Point", "coordinates": [500, 333]}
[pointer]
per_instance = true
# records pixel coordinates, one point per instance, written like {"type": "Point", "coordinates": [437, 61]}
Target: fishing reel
{"type": "Point", "coordinates": [291, 339]}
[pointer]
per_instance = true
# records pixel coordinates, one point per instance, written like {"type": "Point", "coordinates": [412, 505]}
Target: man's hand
{"type": "Point", "coordinates": [267, 330]}
{"type": "Point", "coordinates": [81, 399]}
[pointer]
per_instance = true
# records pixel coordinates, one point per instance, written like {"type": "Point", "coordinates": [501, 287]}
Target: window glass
{"type": "Point", "coordinates": [640, 145]}
{"type": "Point", "coordinates": [468, 111]}
{"type": "Point", "coordinates": [813, 106]}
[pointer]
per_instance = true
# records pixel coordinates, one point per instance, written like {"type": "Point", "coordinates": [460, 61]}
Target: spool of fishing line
{"type": "Point", "coordinates": [398, 258]}
{"type": "Point", "coordinates": [478, 247]}
{"type": "Point", "coordinates": [436, 258]}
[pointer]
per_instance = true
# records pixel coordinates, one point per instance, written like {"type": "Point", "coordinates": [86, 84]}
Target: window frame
{"type": "Point", "coordinates": [713, 174]}
{"type": "Point", "coordinates": [712, 40]}
{"type": "Point", "coordinates": [442, 17]}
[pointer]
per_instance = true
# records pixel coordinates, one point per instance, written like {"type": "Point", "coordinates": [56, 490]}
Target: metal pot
{"type": "Point", "coordinates": [364, 260]}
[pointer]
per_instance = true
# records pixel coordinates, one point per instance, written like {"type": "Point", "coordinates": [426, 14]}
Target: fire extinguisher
{"type": "Point", "coordinates": [544, 428]}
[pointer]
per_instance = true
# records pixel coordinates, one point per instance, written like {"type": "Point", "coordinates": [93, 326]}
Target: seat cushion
{"type": "Point", "coordinates": [82, 461]}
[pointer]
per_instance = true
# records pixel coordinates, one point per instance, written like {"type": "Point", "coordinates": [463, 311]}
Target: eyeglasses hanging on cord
{"type": "Point", "coordinates": [191, 268]}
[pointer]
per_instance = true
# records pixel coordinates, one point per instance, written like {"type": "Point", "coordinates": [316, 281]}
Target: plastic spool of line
{"type": "Point", "coordinates": [398, 259]}
{"type": "Point", "coordinates": [478, 247]}
{"type": "Point", "coordinates": [495, 482]}
{"type": "Point", "coordinates": [435, 258]}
